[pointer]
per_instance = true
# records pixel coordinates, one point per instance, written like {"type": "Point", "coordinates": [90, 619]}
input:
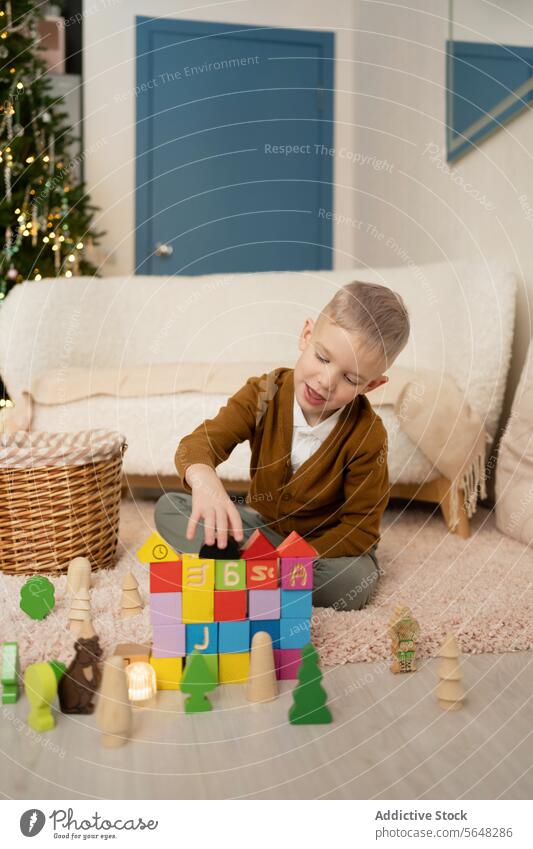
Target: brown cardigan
{"type": "Point", "coordinates": [335, 499]}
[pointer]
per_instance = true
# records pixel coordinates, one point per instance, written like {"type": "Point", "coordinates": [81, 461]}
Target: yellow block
{"type": "Point", "coordinates": [168, 672]}
{"type": "Point", "coordinates": [234, 668]}
{"type": "Point", "coordinates": [198, 606]}
{"type": "Point", "coordinates": [198, 573]}
{"type": "Point", "coordinates": [156, 550]}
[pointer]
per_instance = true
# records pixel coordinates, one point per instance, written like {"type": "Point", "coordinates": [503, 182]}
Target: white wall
{"type": "Point", "coordinates": [421, 210]}
{"type": "Point", "coordinates": [109, 130]}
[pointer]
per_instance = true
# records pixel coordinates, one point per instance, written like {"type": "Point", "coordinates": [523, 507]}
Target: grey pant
{"type": "Point", "coordinates": [344, 583]}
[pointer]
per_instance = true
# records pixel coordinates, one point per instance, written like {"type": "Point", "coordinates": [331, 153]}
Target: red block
{"type": "Point", "coordinates": [287, 663]}
{"type": "Point", "coordinates": [230, 605]}
{"type": "Point", "coordinates": [262, 574]}
{"type": "Point", "coordinates": [165, 577]}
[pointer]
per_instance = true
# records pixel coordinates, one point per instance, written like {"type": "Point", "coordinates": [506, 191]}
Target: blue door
{"type": "Point", "coordinates": [234, 156]}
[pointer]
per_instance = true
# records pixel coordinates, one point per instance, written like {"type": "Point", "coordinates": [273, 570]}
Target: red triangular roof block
{"type": "Point", "coordinates": [295, 546]}
{"type": "Point", "coordinates": [259, 547]}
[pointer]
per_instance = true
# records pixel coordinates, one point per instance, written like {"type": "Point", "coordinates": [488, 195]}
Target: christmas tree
{"type": "Point", "coordinates": [197, 681]}
{"type": "Point", "coordinates": [45, 215]}
{"type": "Point", "coordinates": [309, 697]}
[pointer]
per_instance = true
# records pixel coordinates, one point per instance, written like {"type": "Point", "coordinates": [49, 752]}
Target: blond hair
{"type": "Point", "coordinates": [374, 311]}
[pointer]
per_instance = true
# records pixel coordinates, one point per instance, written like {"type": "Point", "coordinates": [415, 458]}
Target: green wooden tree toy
{"type": "Point", "coordinates": [10, 673]}
{"type": "Point", "coordinates": [197, 680]}
{"type": "Point", "coordinates": [309, 697]}
{"type": "Point", "coordinates": [37, 597]}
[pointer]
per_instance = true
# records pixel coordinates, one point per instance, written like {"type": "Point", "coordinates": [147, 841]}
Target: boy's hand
{"type": "Point", "coordinates": [211, 503]}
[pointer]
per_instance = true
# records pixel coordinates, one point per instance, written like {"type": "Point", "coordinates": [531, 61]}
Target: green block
{"type": "Point", "coordinates": [9, 673]}
{"type": "Point", "coordinates": [230, 574]}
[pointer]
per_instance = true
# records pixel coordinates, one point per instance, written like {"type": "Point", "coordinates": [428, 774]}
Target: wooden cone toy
{"type": "Point", "coordinates": [132, 603]}
{"type": "Point", "coordinates": [80, 610]}
{"type": "Point", "coordinates": [262, 684]}
{"type": "Point", "coordinates": [450, 691]}
{"type": "Point", "coordinates": [78, 575]}
{"type": "Point", "coordinates": [113, 712]}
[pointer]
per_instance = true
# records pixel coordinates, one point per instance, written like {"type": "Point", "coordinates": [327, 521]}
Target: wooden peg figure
{"type": "Point", "coordinates": [78, 575]}
{"type": "Point", "coordinates": [113, 711]}
{"type": "Point", "coordinates": [80, 609]}
{"type": "Point", "coordinates": [450, 691]}
{"type": "Point", "coordinates": [132, 603]}
{"type": "Point", "coordinates": [262, 683]}
{"type": "Point", "coordinates": [404, 631]}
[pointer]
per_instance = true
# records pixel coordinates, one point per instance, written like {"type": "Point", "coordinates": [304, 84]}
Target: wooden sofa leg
{"type": "Point", "coordinates": [463, 528]}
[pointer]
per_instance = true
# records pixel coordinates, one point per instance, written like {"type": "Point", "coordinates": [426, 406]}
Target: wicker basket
{"type": "Point", "coordinates": [59, 499]}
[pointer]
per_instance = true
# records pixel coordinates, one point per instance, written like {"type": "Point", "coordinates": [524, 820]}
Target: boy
{"type": "Point", "coordinates": [319, 451]}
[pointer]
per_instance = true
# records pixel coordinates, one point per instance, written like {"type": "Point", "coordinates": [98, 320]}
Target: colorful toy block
{"type": "Point", "coordinates": [165, 577]}
{"type": "Point", "coordinates": [262, 575]}
{"type": "Point", "coordinates": [230, 574]}
{"type": "Point", "coordinates": [271, 626]}
{"type": "Point", "coordinates": [287, 663]}
{"type": "Point", "coordinates": [157, 550]}
{"type": "Point", "coordinates": [168, 672]}
{"type": "Point", "coordinates": [168, 640]}
{"type": "Point", "coordinates": [230, 605]}
{"type": "Point", "coordinates": [264, 604]}
{"type": "Point", "coordinates": [234, 668]}
{"type": "Point", "coordinates": [295, 546]}
{"type": "Point", "coordinates": [10, 673]}
{"type": "Point", "coordinates": [234, 637]}
{"type": "Point", "coordinates": [198, 573]}
{"type": "Point", "coordinates": [258, 547]}
{"type": "Point", "coordinates": [165, 608]}
{"type": "Point", "coordinates": [296, 604]}
{"type": "Point", "coordinates": [294, 633]}
{"type": "Point", "coordinates": [198, 605]}
{"type": "Point", "coordinates": [296, 573]}
{"type": "Point", "coordinates": [202, 638]}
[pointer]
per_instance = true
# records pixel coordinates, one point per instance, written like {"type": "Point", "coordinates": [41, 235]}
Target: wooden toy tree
{"type": "Point", "coordinates": [132, 603]}
{"type": "Point", "coordinates": [113, 711]}
{"type": "Point", "coordinates": [80, 610]}
{"type": "Point", "coordinates": [309, 697]}
{"type": "Point", "coordinates": [450, 691]}
{"type": "Point", "coordinates": [197, 680]}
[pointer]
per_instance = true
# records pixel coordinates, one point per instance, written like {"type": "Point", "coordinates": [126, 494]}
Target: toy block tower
{"type": "Point", "coordinates": [296, 568]}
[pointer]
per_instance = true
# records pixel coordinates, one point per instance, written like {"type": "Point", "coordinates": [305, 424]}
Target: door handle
{"type": "Point", "coordinates": [162, 249]}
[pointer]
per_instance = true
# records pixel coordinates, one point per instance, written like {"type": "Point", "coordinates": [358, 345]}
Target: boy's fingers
{"type": "Point", "coordinates": [209, 527]}
{"type": "Point", "coordinates": [192, 524]}
{"type": "Point", "coordinates": [222, 528]}
{"type": "Point", "coordinates": [236, 523]}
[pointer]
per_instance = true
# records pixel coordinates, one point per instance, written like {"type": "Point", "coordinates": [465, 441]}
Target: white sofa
{"type": "Point", "coordinates": [462, 323]}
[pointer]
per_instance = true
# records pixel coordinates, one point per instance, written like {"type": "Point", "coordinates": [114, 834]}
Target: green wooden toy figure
{"type": "Point", "coordinates": [37, 597]}
{"type": "Point", "coordinates": [309, 697]}
{"type": "Point", "coordinates": [10, 673]}
{"type": "Point", "coordinates": [40, 686]}
{"type": "Point", "coordinates": [197, 680]}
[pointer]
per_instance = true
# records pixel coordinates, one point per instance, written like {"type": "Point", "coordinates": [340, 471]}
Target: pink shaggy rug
{"type": "Point", "coordinates": [479, 588]}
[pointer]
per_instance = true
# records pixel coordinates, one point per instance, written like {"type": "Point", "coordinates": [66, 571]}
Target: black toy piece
{"type": "Point", "coordinates": [213, 552]}
{"type": "Point", "coordinates": [82, 678]}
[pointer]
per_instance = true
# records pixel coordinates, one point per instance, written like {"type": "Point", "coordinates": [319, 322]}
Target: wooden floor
{"type": "Point", "coordinates": [389, 739]}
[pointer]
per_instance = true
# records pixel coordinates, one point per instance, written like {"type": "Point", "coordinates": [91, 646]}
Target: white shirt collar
{"type": "Point", "coordinates": [320, 430]}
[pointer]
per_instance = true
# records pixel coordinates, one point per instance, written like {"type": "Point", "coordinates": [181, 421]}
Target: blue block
{"type": "Point", "coordinates": [233, 637]}
{"type": "Point", "coordinates": [199, 633]}
{"type": "Point", "coordinates": [296, 604]}
{"type": "Point", "coordinates": [294, 633]}
{"type": "Point", "coordinates": [271, 626]}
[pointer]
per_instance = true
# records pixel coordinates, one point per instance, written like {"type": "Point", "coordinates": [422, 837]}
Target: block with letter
{"type": "Point", "coordinates": [234, 668]}
{"type": "Point", "coordinates": [168, 640]}
{"type": "Point", "coordinates": [262, 574]}
{"type": "Point", "coordinates": [234, 637]}
{"type": "Point", "coordinates": [198, 605]}
{"type": "Point", "coordinates": [294, 633]}
{"type": "Point", "coordinates": [296, 573]}
{"type": "Point", "coordinates": [165, 608]}
{"type": "Point", "coordinates": [168, 672]}
{"type": "Point", "coordinates": [296, 604]}
{"type": "Point", "coordinates": [203, 638]}
{"type": "Point", "coordinates": [271, 626]}
{"type": "Point", "coordinates": [230, 605]}
{"type": "Point", "coordinates": [198, 573]}
{"type": "Point", "coordinates": [264, 604]}
{"type": "Point", "coordinates": [230, 574]}
{"type": "Point", "coordinates": [165, 577]}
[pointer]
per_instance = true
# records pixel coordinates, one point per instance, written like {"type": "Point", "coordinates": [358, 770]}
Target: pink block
{"type": "Point", "coordinates": [165, 608]}
{"type": "Point", "coordinates": [297, 573]}
{"type": "Point", "coordinates": [264, 604]}
{"type": "Point", "coordinates": [287, 663]}
{"type": "Point", "coordinates": [168, 640]}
